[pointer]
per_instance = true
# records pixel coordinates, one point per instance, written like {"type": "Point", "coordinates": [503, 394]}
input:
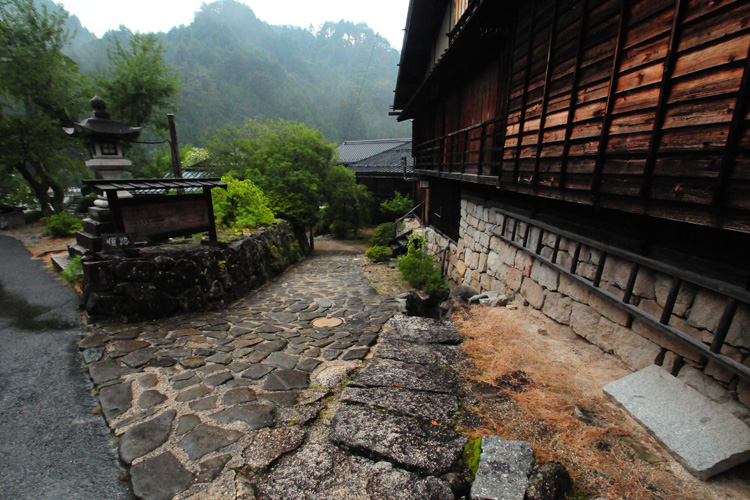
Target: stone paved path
{"type": "Point", "coordinates": [194, 399]}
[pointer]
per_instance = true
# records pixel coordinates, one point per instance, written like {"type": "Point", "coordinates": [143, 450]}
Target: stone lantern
{"type": "Point", "coordinates": [103, 135]}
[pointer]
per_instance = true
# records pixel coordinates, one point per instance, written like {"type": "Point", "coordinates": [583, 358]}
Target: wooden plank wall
{"type": "Point", "coordinates": [637, 101]}
{"type": "Point", "coordinates": [459, 7]}
{"type": "Point", "coordinates": [638, 105]}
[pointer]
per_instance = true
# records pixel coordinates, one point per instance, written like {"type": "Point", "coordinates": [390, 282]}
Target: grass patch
{"type": "Point", "coordinates": [470, 457]}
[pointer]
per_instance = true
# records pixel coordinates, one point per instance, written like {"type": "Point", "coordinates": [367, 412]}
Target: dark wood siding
{"type": "Point", "coordinates": [636, 105]}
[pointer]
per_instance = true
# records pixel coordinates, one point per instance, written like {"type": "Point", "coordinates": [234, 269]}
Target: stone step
{"type": "Point", "coordinates": [422, 447]}
{"type": "Point", "coordinates": [705, 438]}
{"type": "Point", "coordinates": [504, 468]}
{"type": "Point", "coordinates": [89, 241]}
{"type": "Point", "coordinates": [100, 214]}
{"type": "Point", "coordinates": [76, 250]}
{"type": "Point", "coordinates": [97, 228]}
{"type": "Point", "coordinates": [60, 261]}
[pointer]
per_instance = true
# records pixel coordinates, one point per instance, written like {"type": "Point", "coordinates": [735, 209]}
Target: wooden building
{"type": "Point", "coordinates": [384, 166]}
{"type": "Point", "coordinates": [564, 129]}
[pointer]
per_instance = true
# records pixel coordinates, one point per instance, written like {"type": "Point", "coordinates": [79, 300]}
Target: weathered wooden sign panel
{"type": "Point", "coordinates": [113, 241]}
{"type": "Point", "coordinates": [159, 217]}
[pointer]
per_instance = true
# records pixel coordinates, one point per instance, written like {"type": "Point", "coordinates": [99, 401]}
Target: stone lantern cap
{"type": "Point", "coordinates": [101, 126]}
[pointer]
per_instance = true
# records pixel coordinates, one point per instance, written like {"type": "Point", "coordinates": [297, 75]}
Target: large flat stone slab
{"type": "Point", "coordinates": [205, 438]}
{"type": "Point", "coordinates": [425, 405]}
{"type": "Point", "coordinates": [389, 373]}
{"type": "Point", "coordinates": [160, 478]}
{"type": "Point", "coordinates": [409, 352]}
{"type": "Point", "coordinates": [422, 330]}
{"type": "Point", "coordinates": [324, 471]}
{"type": "Point", "coordinates": [146, 437]}
{"type": "Point", "coordinates": [422, 447]}
{"type": "Point", "coordinates": [702, 436]}
{"type": "Point", "coordinates": [285, 380]}
{"type": "Point", "coordinates": [115, 400]}
{"type": "Point", "coordinates": [269, 444]}
{"type": "Point", "coordinates": [107, 370]}
{"type": "Point", "coordinates": [504, 468]}
{"type": "Point", "coordinates": [257, 416]}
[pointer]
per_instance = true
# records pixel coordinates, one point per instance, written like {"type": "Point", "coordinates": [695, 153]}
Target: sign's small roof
{"type": "Point", "coordinates": [101, 186]}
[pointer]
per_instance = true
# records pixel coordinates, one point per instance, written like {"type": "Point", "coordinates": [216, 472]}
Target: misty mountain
{"type": "Point", "coordinates": [234, 67]}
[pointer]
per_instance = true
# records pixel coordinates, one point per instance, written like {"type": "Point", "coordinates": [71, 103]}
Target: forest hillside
{"type": "Point", "coordinates": [337, 78]}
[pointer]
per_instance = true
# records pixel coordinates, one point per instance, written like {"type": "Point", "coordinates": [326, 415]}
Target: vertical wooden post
{"type": "Point", "coordinates": [724, 323]}
{"type": "Point", "coordinates": [556, 249]}
{"type": "Point", "coordinates": [525, 98]}
{"type": "Point", "coordinates": [600, 269]}
{"type": "Point", "coordinates": [211, 217]}
{"type": "Point", "coordinates": [604, 137]}
{"type": "Point", "coordinates": [573, 94]}
{"type": "Point", "coordinates": [728, 158]}
{"type": "Point", "coordinates": [504, 83]}
{"type": "Point", "coordinates": [545, 94]}
{"type": "Point", "coordinates": [175, 149]}
{"type": "Point", "coordinates": [664, 90]}
{"type": "Point", "coordinates": [480, 158]}
{"type": "Point", "coordinates": [671, 301]}
{"type": "Point", "coordinates": [576, 256]}
{"type": "Point", "coordinates": [116, 209]}
{"type": "Point", "coordinates": [631, 282]}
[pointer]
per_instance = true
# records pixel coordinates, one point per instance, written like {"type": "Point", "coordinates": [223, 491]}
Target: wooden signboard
{"type": "Point", "coordinates": [160, 217]}
{"type": "Point", "coordinates": [114, 241]}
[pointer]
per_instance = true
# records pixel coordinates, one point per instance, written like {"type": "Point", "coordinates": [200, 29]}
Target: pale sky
{"type": "Point", "coordinates": [386, 17]}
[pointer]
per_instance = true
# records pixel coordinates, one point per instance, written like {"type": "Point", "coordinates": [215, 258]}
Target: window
{"type": "Point", "coordinates": [109, 148]}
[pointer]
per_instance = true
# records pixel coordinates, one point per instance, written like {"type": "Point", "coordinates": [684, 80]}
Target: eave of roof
{"type": "Point", "coordinates": [355, 151]}
{"type": "Point", "coordinates": [422, 27]}
{"type": "Point", "coordinates": [412, 80]}
{"type": "Point", "coordinates": [388, 162]}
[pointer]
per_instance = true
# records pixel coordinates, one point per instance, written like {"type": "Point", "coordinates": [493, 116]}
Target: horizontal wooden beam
{"type": "Point", "coordinates": [726, 362]}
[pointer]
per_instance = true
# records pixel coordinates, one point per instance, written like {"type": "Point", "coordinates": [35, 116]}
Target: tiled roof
{"type": "Point", "coordinates": [387, 162]}
{"type": "Point", "coordinates": [355, 151]}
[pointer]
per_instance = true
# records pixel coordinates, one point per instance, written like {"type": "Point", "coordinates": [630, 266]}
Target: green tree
{"type": "Point", "coordinates": [241, 205]}
{"type": "Point", "coordinates": [139, 86]}
{"type": "Point", "coordinates": [41, 90]}
{"type": "Point", "coordinates": [348, 204]}
{"type": "Point", "coordinates": [397, 206]}
{"type": "Point", "coordinates": [293, 165]}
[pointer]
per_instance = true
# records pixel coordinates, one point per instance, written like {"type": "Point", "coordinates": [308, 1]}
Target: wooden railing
{"type": "Point", "coordinates": [474, 150]}
{"type": "Point", "coordinates": [515, 235]}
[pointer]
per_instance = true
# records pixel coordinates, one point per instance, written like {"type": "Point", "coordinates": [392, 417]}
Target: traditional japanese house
{"type": "Point", "coordinates": [593, 156]}
{"type": "Point", "coordinates": [384, 166]}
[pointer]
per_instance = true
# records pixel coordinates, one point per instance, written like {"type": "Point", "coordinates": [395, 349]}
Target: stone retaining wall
{"type": "Point", "coordinates": [485, 262]}
{"type": "Point", "coordinates": [184, 277]}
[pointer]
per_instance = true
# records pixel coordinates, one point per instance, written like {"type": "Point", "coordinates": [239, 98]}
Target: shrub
{"type": "Point", "coordinates": [84, 203]}
{"type": "Point", "coordinates": [341, 228]}
{"type": "Point", "coordinates": [242, 205]}
{"type": "Point", "coordinates": [419, 269]}
{"type": "Point", "coordinates": [383, 234]}
{"type": "Point", "coordinates": [378, 253]}
{"type": "Point", "coordinates": [32, 216]}
{"type": "Point", "coordinates": [397, 206]}
{"type": "Point", "coordinates": [61, 225]}
{"type": "Point", "coordinates": [73, 274]}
